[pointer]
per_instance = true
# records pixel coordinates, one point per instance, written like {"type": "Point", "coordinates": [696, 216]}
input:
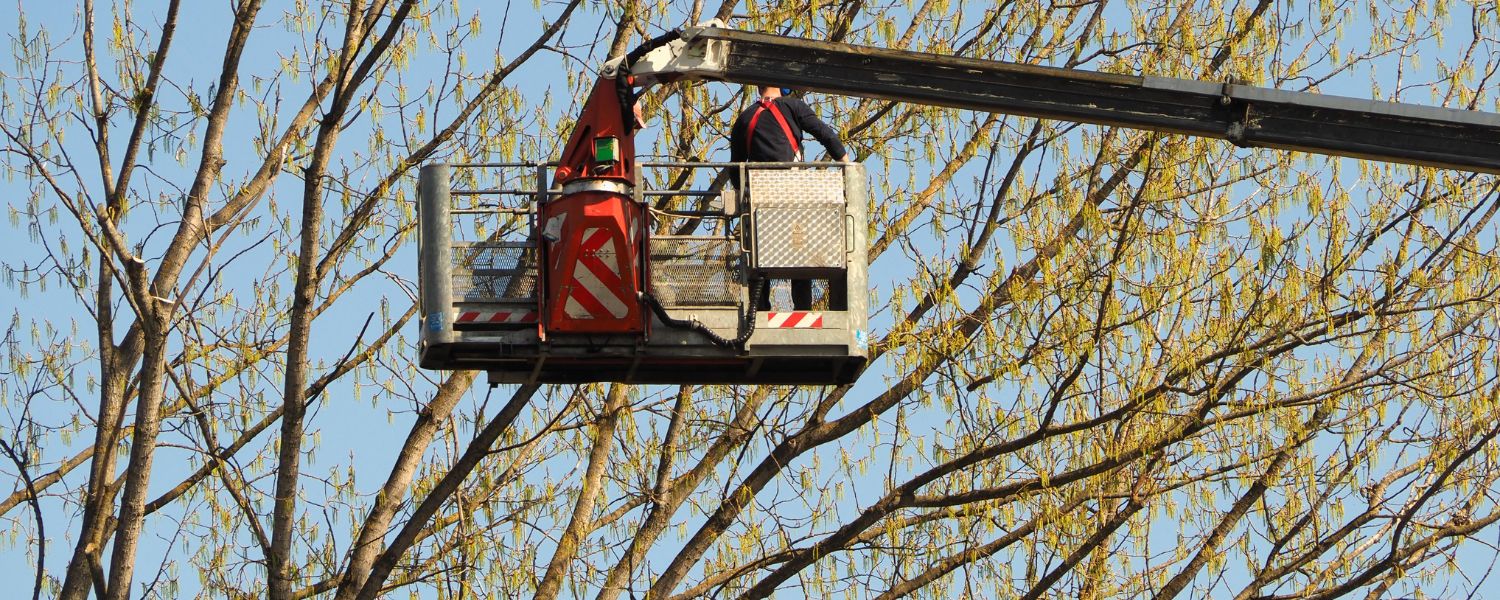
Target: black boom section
{"type": "Point", "coordinates": [1244, 115]}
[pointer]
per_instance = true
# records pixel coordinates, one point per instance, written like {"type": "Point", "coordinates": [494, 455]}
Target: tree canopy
{"type": "Point", "coordinates": [1108, 363]}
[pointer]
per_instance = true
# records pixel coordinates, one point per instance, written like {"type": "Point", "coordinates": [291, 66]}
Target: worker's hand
{"type": "Point", "coordinates": [848, 158]}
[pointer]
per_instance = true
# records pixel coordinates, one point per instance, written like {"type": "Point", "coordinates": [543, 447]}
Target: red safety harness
{"type": "Point", "coordinates": [765, 105]}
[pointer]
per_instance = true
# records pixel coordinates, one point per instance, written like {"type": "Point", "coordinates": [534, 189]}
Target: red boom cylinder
{"type": "Point", "coordinates": [593, 235]}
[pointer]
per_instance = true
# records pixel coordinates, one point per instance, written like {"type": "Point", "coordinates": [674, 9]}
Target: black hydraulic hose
{"type": "Point", "coordinates": [622, 77]}
{"type": "Point", "coordinates": [627, 104]}
{"type": "Point", "coordinates": [747, 319]}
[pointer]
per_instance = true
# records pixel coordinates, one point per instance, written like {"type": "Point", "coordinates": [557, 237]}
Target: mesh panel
{"type": "Point", "coordinates": [494, 271]}
{"type": "Point", "coordinates": [695, 271]}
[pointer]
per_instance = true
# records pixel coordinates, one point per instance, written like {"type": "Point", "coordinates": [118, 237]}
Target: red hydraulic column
{"type": "Point", "coordinates": [593, 235]}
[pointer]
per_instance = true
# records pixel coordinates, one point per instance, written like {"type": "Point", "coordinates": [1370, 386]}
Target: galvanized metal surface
{"type": "Point", "coordinates": [479, 298]}
{"type": "Point", "coordinates": [434, 243]}
{"type": "Point", "coordinates": [796, 186]}
{"type": "Point", "coordinates": [798, 237]}
{"type": "Point", "coordinates": [799, 218]}
{"type": "Point", "coordinates": [695, 271]}
{"type": "Point", "coordinates": [500, 271]}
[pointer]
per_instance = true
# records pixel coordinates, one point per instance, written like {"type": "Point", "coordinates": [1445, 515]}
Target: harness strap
{"type": "Point", "coordinates": [781, 120]}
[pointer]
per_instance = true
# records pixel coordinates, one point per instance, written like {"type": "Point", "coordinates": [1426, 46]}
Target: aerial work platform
{"type": "Point", "coordinates": [487, 305]}
{"type": "Point", "coordinates": [576, 272]}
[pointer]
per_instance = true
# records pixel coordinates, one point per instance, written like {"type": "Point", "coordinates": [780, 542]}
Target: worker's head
{"type": "Point", "coordinates": [768, 91]}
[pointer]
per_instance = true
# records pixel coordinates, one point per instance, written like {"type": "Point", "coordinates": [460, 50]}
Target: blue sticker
{"type": "Point", "coordinates": [435, 322]}
{"type": "Point", "coordinates": [861, 339]}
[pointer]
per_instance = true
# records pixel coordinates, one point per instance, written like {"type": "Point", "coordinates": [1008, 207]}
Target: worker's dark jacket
{"type": "Point", "coordinates": [769, 143]}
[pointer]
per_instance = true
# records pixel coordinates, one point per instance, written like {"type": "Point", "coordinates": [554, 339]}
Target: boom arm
{"type": "Point", "coordinates": [1244, 115]}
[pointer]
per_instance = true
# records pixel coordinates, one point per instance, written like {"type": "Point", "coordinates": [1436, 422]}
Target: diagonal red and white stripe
{"type": "Point", "coordinates": [597, 273]}
{"type": "Point", "coordinates": [497, 316]}
{"type": "Point", "coordinates": [794, 320]}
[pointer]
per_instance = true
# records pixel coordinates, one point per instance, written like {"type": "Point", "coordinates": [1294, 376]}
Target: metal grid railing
{"type": "Point", "coordinates": [501, 271]}
{"type": "Point", "coordinates": [695, 271]}
{"type": "Point", "coordinates": [798, 207]}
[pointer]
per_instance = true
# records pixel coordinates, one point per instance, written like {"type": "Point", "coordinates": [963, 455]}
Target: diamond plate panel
{"type": "Point", "coordinates": [775, 187]}
{"type": "Point", "coordinates": [695, 271]}
{"type": "Point", "coordinates": [790, 237]}
{"type": "Point", "coordinates": [494, 272]}
{"type": "Point", "coordinates": [799, 217]}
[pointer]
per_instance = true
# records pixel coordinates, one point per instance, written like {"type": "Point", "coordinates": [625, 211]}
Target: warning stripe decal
{"type": "Point", "coordinates": [597, 274]}
{"type": "Point", "coordinates": [794, 320]}
{"type": "Point", "coordinates": [497, 316]}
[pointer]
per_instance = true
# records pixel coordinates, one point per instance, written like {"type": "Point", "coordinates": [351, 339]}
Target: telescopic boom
{"type": "Point", "coordinates": [1244, 115]}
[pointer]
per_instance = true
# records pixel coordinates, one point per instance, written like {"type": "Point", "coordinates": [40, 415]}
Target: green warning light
{"type": "Point", "coordinates": [606, 149]}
